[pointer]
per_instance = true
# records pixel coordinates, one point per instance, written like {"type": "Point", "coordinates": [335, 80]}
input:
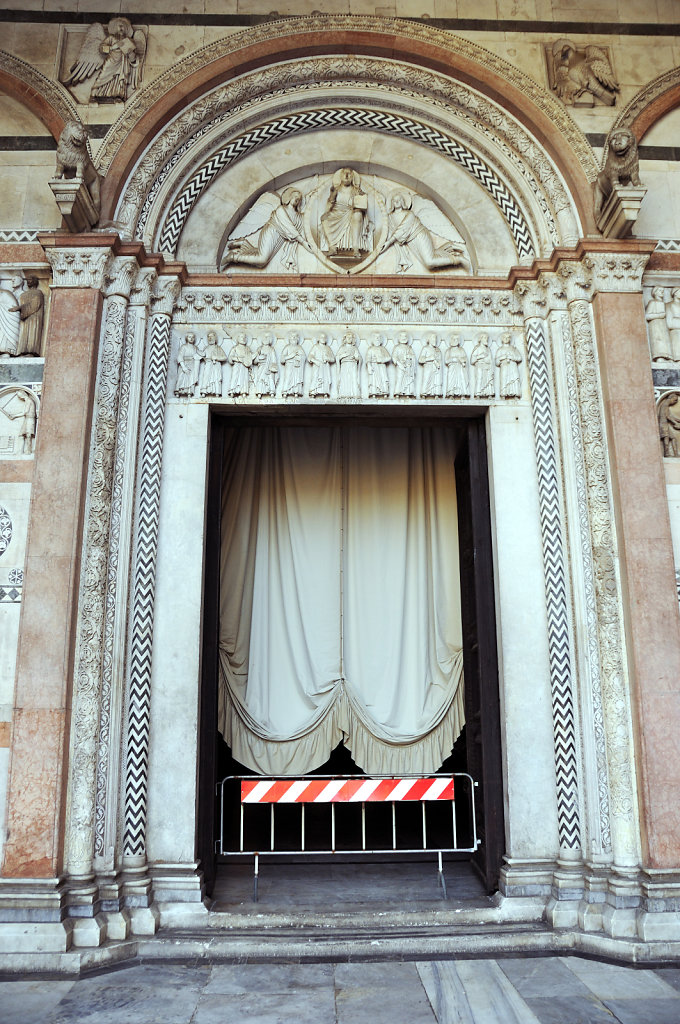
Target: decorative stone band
{"type": "Point", "coordinates": [315, 120]}
{"type": "Point", "coordinates": [556, 590]}
{"type": "Point", "coordinates": [144, 572]}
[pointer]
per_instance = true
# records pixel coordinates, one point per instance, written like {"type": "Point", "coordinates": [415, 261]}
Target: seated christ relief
{"type": "Point", "coordinates": [347, 223]}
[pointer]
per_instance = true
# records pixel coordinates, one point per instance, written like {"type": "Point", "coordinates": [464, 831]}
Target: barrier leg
{"type": "Point", "coordinates": [441, 874]}
{"type": "Point", "coordinates": [256, 876]}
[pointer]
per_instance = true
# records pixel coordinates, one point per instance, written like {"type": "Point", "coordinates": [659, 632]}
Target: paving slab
{"type": "Point", "coordinates": [608, 981]}
{"type": "Point", "coordinates": [23, 1001]}
{"type": "Point", "coordinates": [492, 998]}
{"type": "Point", "coordinates": [242, 979]}
{"type": "Point", "coordinates": [671, 975]}
{"type": "Point", "coordinates": [645, 1011]}
{"type": "Point", "coordinates": [381, 993]}
{"type": "Point", "coordinates": [570, 1010]}
{"type": "Point", "coordinates": [535, 976]}
{"type": "Point", "coordinates": [306, 1006]}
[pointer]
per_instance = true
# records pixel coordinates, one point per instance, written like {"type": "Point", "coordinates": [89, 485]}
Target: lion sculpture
{"type": "Point", "coordinates": [74, 160]}
{"type": "Point", "coordinates": [621, 166]}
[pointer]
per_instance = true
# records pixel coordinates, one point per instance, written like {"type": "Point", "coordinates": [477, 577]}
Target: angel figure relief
{"type": "Point", "coordinates": [415, 226]}
{"type": "Point", "coordinates": [580, 76]}
{"type": "Point", "coordinates": [273, 224]}
{"type": "Point", "coordinates": [115, 56]}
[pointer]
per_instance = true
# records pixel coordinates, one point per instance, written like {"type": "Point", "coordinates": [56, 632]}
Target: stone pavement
{"type": "Point", "coordinates": [540, 990]}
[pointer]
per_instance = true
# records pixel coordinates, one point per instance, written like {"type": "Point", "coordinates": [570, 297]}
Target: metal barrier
{"type": "Point", "coordinates": [335, 791]}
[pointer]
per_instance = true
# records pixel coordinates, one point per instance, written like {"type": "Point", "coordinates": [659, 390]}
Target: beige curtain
{"type": "Point", "coordinates": [340, 604]}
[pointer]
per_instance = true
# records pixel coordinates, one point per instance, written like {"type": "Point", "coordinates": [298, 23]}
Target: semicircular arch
{"type": "Point", "coordinates": [49, 101]}
{"type": "Point", "coordinates": [270, 48]}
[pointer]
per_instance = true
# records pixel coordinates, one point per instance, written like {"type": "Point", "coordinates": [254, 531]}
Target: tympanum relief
{"type": "Point", "coordinates": [580, 77]}
{"type": "Point", "coordinates": [314, 364]}
{"type": "Point", "coordinates": [105, 63]}
{"type": "Point", "coordinates": [345, 223]}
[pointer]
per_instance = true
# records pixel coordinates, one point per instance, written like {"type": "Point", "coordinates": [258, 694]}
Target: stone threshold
{"type": "Point", "coordinates": [307, 946]}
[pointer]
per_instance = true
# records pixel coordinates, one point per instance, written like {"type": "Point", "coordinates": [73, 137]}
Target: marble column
{"type": "Point", "coordinates": [653, 622]}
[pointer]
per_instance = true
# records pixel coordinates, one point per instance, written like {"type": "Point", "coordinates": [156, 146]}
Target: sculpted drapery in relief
{"type": "Point", "coordinates": [114, 57]}
{"type": "Point", "coordinates": [345, 224]}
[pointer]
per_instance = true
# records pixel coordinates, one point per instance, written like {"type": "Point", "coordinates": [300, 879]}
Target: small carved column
{"type": "Point", "coordinates": [47, 637]}
{"type": "Point", "coordinates": [653, 623]}
{"type": "Point", "coordinates": [83, 896]}
{"type": "Point", "coordinates": [138, 886]}
{"type": "Point", "coordinates": [559, 645]}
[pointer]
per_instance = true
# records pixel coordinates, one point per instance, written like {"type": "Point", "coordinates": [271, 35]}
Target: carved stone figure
{"type": "Point", "coordinates": [19, 404]}
{"type": "Point", "coordinates": [482, 361]}
{"type": "Point", "coordinates": [213, 358]}
{"type": "Point", "coordinates": [412, 238]}
{"type": "Point", "coordinates": [274, 223]}
{"type": "Point", "coordinates": [30, 309]}
{"type": "Point", "coordinates": [583, 73]}
{"type": "Point", "coordinates": [320, 358]}
{"type": "Point", "coordinates": [404, 359]}
{"type": "Point", "coordinates": [115, 56]}
{"type": "Point", "coordinates": [669, 424]}
{"type": "Point", "coordinates": [456, 360]}
{"type": "Point", "coordinates": [673, 323]}
{"type": "Point", "coordinates": [430, 359]}
{"type": "Point", "coordinates": [293, 362]}
{"type": "Point", "coordinates": [349, 361]}
{"type": "Point", "coordinates": [10, 320]}
{"type": "Point", "coordinates": [343, 222]}
{"type": "Point", "coordinates": [657, 329]}
{"type": "Point", "coordinates": [377, 361]}
{"type": "Point", "coordinates": [509, 360]}
{"type": "Point", "coordinates": [241, 360]}
{"type": "Point", "coordinates": [621, 166]}
{"type": "Point", "coordinates": [188, 366]}
{"type": "Point", "coordinates": [74, 161]}
{"type": "Point", "coordinates": [266, 367]}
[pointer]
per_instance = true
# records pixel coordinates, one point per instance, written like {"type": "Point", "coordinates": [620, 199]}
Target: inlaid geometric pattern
{"type": "Point", "coordinates": [556, 591]}
{"type": "Point", "coordinates": [144, 586]}
{"type": "Point", "coordinates": [376, 120]}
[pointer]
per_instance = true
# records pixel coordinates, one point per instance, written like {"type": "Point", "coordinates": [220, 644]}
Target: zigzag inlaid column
{"type": "Point", "coordinates": [144, 573]}
{"type": "Point", "coordinates": [555, 590]}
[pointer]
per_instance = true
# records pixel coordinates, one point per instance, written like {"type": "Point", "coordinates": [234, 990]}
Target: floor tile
{"type": "Point", "coordinates": [570, 1010]}
{"type": "Point", "coordinates": [385, 992]}
{"type": "Point", "coordinates": [536, 976]}
{"type": "Point", "coordinates": [308, 1007]}
{"type": "Point", "coordinates": [671, 975]}
{"type": "Point", "coordinates": [491, 997]}
{"type": "Point", "coordinates": [240, 979]}
{"type": "Point", "coordinates": [645, 1011]}
{"type": "Point", "coordinates": [609, 981]}
{"type": "Point", "coordinates": [27, 1001]}
{"type": "Point", "coordinates": [136, 1004]}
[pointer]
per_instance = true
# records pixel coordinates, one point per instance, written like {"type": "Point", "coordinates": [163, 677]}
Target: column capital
{"type": "Point", "coordinates": [616, 271]}
{"type": "Point", "coordinates": [79, 267]}
{"type": "Point", "coordinates": [165, 294]}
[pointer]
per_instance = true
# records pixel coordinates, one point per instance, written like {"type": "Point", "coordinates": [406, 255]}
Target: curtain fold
{"type": "Point", "coordinates": [340, 606]}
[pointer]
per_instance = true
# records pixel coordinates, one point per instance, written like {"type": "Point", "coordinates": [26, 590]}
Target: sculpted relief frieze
{"type": "Point", "coordinates": [345, 223]}
{"type": "Point", "coordinates": [311, 363]}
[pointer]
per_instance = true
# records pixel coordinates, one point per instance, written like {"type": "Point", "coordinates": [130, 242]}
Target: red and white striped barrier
{"type": "Point", "coordinates": [331, 791]}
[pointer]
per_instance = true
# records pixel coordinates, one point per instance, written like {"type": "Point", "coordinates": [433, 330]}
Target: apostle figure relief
{"type": "Point", "coordinates": [347, 365]}
{"type": "Point", "coordinates": [344, 223]}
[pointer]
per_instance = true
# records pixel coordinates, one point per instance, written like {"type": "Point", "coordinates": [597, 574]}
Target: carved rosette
{"type": "Point", "coordinates": [78, 268]}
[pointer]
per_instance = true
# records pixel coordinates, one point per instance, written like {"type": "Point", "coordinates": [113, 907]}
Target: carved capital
{"type": "Point", "coordinates": [140, 295]}
{"type": "Point", "coordinates": [533, 298]}
{"type": "Point", "coordinates": [119, 276]}
{"type": "Point", "coordinates": [576, 279]}
{"type": "Point", "coordinates": [165, 294]}
{"type": "Point", "coordinates": [616, 272]}
{"type": "Point", "coordinates": [78, 268]}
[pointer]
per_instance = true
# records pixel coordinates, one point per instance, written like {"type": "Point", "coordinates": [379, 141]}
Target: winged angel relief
{"type": "Point", "coordinates": [345, 224]}
{"type": "Point", "coordinates": [114, 57]}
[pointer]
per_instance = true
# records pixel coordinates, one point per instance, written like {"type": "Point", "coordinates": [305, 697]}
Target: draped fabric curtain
{"type": "Point", "coordinates": [340, 604]}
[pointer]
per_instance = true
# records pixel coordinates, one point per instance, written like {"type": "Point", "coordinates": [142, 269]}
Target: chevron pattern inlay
{"type": "Point", "coordinates": [556, 591]}
{"type": "Point", "coordinates": [144, 585]}
{"type": "Point", "coordinates": [313, 120]}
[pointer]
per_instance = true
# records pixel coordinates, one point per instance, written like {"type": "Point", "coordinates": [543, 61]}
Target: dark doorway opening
{"type": "Point", "coordinates": [478, 749]}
